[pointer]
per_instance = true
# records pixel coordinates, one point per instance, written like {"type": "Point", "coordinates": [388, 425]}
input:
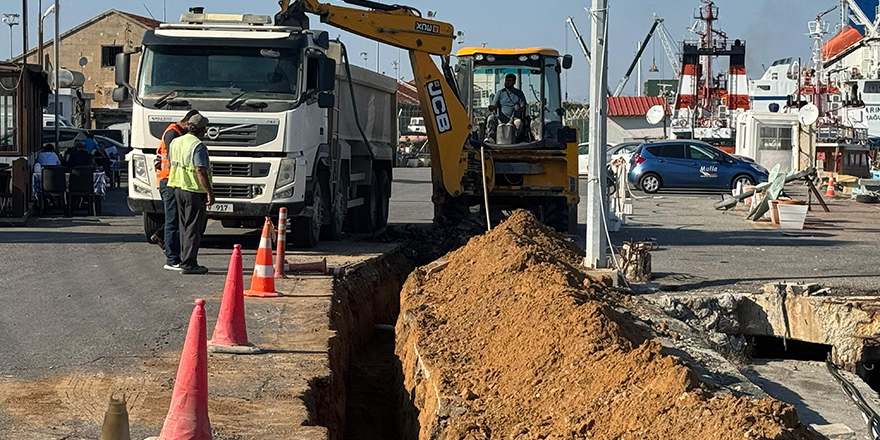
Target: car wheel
{"type": "Point", "coordinates": [650, 183]}
{"type": "Point", "coordinates": [742, 179]}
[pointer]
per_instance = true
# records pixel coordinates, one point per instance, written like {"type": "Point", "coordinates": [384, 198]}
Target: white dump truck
{"type": "Point", "coordinates": [292, 123]}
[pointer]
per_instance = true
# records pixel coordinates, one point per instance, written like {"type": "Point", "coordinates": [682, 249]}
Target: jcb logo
{"type": "Point", "coordinates": [427, 27]}
{"type": "Point", "coordinates": [438, 105]}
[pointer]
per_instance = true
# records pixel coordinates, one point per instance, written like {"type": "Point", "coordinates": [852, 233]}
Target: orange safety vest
{"type": "Point", "coordinates": [165, 165]}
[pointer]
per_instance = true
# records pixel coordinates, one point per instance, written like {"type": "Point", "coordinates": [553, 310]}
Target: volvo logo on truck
{"type": "Point", "coordinates": [438, 105]}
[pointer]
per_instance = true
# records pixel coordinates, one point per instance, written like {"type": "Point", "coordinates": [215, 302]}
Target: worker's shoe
{"type": "Point", "coordinates": [173, 267]}
{"type": "Point", "coordinates": [155, 238]}
{"type": "Point", "coordinates": [197, 270]}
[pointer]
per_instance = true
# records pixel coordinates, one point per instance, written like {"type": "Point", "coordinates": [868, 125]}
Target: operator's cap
{"type": "Point", "coordinates": [197, 122]}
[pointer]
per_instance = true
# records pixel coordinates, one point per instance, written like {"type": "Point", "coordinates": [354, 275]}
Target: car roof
{"type": "Point", "coordinates": [679, 141]}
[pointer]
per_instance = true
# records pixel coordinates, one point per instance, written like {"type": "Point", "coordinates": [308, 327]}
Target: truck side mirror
{"type": "Point", "coordinates": [566, 62]}
{"type": "Point", "coordinates": [120, 94]}
{"type": "Point", "coordinates": [326, 100]}
{"type": "Point", "coordinates": [326, 74]}
{"type": "Point", "coordinates": [123, 69]}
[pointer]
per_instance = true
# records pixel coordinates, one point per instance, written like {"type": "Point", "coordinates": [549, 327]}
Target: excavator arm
{"type": "Point", "coordinates": [446, 119]}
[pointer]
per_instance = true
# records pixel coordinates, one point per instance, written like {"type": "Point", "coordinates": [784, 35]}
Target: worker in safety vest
{"type": "Point", "coordinates": [190, 176]}
{"type": "Point", "coordinates": [168, 236]}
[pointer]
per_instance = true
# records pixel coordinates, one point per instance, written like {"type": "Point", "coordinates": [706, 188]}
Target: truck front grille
{"type": "Point", "coordinates": [240, 169]}
{"type": "Point", "coordinates": [222, 191]}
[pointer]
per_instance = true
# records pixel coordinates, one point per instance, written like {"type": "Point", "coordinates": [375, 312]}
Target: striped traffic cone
{"type": "Point", "coordinates": [829, 192]}
{"type": "Point", "coordinates": [263, 279]}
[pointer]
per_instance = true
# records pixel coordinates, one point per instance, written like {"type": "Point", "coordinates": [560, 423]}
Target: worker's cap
{"type": "Point", "coordinates": [197, 122]}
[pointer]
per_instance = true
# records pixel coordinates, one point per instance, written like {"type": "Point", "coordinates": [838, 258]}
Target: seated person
{"type": "Point", "coordinates": [111, 151]}
{"type": "Point", "coordinates": [102, 158]}
{"type": "Point", "coordinates": [508, 106]}
{"type": "Point", "coordinates": [48, 158]}
{"type": "Point", "coordinates": [80, 156]}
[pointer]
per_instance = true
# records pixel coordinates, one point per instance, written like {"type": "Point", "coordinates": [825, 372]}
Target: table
{"type": "Point", "coordinates": [99, 179]}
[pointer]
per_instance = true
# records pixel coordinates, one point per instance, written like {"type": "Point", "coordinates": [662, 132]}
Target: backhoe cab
{"type": "Point", "coordinates": [535, 167]}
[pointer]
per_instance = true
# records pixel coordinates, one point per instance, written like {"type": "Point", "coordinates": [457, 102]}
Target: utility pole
{"type": "Point", "coordinates": [57, 46]}
{"type": "Point", "coordinates": [24, 32]}
{"type": "Point", "coordinates": [595, 247]}
{"type": "Point", "coordinates": [377, 57]}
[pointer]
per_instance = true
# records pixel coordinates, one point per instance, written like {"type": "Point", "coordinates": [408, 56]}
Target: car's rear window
{"type": "Point", "coordinates": [673, 151]}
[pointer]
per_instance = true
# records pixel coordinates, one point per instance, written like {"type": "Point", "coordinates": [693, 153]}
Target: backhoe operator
{"type": "Point", "coordinates": [512, 104]}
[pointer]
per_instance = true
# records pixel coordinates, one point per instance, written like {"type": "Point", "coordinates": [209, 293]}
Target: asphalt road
{"type": "Point", "coordinates": [91, 292]}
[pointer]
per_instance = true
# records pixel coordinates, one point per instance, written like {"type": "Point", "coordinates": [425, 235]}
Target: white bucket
{"type": "Point", "coordinates": [792, 216]}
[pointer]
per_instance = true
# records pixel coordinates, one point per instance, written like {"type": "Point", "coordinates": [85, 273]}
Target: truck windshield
{"type": "Point", "coordinates": [219, 72]}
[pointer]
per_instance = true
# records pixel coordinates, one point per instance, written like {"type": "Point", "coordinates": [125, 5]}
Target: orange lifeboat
{"type": "Point", "coordinates": [841, 42]}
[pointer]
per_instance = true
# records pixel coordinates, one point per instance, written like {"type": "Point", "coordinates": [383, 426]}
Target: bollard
{"type": "Point", "coordinates": [282, 243]}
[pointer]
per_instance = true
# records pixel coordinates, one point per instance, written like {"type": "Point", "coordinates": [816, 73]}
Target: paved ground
{"type": "Point", "coordinates": [705, 250]}
{"type": "Point", "coordinates": [702, 249]}
{"type": "Point", "coordinates": [88, 308]}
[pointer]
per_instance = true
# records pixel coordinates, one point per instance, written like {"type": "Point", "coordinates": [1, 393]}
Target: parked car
{"type": "Point", "coordinates": [626, 150]}
{"type": "Point", "coordinates": [49, 121]}
{"type": "Point", "coordinates": [67, 137]}
{"type": "Point", "coordinates": [584, 155]}
{"type": "Point", "coordinates": [690, 164]}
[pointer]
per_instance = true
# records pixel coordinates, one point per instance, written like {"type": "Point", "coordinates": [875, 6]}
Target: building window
{"type": "Point", "coordinates": [8, 114]}
{"type": "Point", "coordinates": [775, 138]}
{"type": "Point", "coordinates": [108, 55]}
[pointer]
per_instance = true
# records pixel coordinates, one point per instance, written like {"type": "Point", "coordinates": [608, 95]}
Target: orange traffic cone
{"type": "Point", "coordinates": [263, 279]}
{"type": "Point", "coordinates": [230, 332]}
{"type": "Point", "coordinates": [830, 191]}
{"type": "Point", "coordinates": [188, 415]}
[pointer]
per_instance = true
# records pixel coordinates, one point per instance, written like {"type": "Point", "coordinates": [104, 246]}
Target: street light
{"type": "Point", "coordinates": [396, 65]}
{"type": "Point", "coordinates": [364, 56]}
{"type": "Point", "coordinates": [49, 11]}
{"type": "Point", "coordinates": [10, 20]}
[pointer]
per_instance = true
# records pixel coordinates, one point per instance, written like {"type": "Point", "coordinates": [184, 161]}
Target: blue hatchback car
{"type": "Point", "coordinates": [690, 164]}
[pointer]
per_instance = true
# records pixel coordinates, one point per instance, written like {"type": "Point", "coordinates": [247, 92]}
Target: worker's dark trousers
{"type": "Point", "coordinates": [169, 230]}
{"type": "Point", "coordinates": [192, 208]}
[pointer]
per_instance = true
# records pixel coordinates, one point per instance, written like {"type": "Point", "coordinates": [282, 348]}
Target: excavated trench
{"type": "Point", "coordinates": [505, 337]}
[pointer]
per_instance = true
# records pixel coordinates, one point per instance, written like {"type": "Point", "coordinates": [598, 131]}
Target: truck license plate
{"type": "Point", "coordinates": [220, 207]}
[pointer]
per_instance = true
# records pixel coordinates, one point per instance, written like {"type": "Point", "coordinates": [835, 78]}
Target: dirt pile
{"type": "Point", "coordinates": [506, 338]}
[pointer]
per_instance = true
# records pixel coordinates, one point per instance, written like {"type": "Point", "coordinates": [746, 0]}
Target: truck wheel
{"type": "Point", "coordinates": [557, 214]}
{"type": "Point", "coordinates": [332, 231]}
{"type": "Point", "coordinates": [366, 215]}
{"type": "Point", "coordinates": [306, 231]}
{"type": "Point", "coordinates": [384, 199]}
{"type": "Point", "coordinates": [152, 223]}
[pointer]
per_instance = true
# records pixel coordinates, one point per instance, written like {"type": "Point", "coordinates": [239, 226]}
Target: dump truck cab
{"type": "Point", "coordinates": [535, 167]}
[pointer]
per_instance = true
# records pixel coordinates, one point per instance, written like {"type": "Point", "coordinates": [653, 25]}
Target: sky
{"type": "Point", "coordinates": [772, 29]}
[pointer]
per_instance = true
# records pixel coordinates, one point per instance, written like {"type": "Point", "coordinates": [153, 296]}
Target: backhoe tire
{"type": "Point", "coordinates": [557, 214]}
{"type": "Point", "coordinates": [451, 213]}
{"type": "Point", "coordinates": [152, 223]}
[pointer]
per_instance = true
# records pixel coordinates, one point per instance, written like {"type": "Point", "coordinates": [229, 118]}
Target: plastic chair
{"type": "Point", "coordinates": [53, 186]}
{"type": "Point", "coordinates": [81, 184]}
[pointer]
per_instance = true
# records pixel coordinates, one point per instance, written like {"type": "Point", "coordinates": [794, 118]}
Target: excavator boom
{"type": "Point", "coordinates": [446, 119]}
